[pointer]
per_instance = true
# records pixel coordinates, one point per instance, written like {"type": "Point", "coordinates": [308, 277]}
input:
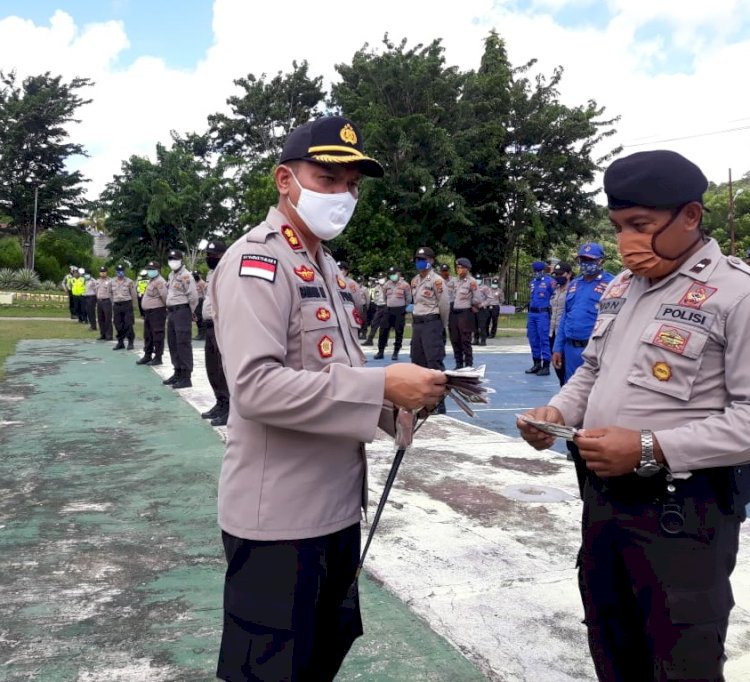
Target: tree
{"type": "Point", "coordinates": [527, 158]}
{"type": "Point", "coordinates": [34, 148]}
{"type": "Point", "coordinates": [716, 221]}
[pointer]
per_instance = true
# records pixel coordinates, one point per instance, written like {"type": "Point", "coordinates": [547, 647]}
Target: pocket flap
{"type": "Point", "coordinates": [317, 316]}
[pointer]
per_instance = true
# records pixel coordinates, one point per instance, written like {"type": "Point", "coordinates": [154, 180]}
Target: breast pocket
{"type": "Point", "coordinates": [321, 337]}
{"type": "Point", "coordinates": [669, 359]}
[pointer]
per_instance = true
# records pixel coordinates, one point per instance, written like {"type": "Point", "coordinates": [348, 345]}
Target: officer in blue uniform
{"type": "Point", "coordinates": [581, 308]}
{"type": "Point", "coordinates": [537, 326]}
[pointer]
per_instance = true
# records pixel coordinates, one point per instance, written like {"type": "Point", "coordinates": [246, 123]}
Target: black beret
{"type": "Point", "coordinates": [331, 139]}
{"type": "Point", "coordinates": [562, 267]}
{"type": "Point", "coordinates": [343, 265]}
{"type": "Point", "coordinates": [103, 268]}
{"type": "Point", "coordinates": [174, 254]}
{"type": "Point", "coordinates": [120, 266]}
{"type": "Point", "coordinates": [656, 179]}
{"type": "Point", "coordinates": [463, 263]}
{"type": "Point", "coordinates": [216, 246]}
{"type": "Point", "coordinates": [445, 268]}
{"type": "Point", "coordinates": [425, 252]}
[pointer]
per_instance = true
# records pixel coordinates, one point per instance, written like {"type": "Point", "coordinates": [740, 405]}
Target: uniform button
{"type": "Point", "coordinates": [669, 478]}
{"type": "Point", "coordinates": [671, 489]}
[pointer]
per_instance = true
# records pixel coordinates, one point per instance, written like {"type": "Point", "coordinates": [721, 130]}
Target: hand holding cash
{"type": "Point", "coordinates": [550, 428]}
{"type": "Point", "coordinates": [468, 385]}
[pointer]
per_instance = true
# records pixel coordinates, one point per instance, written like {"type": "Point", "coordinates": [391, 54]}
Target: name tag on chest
{"type": "Point", "coordinates": [611, 306]}
{"type": "Point", "coordinates": [689, 316]}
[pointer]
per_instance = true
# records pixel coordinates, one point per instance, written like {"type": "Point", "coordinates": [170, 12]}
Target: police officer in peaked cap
{"type": "Point", "coordinates": [182, 300]}
{"type": "Point", "coordinates": [663, 403]}
{"type": "Point", "coordinates": [302, 406]}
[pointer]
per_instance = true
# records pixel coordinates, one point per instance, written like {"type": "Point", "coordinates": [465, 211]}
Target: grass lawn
{"type": "Point", "coordinates": [33, 311]}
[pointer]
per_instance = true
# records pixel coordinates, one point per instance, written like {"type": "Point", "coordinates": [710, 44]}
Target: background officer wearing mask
{"type": "Point", "coordinates": [397, 295]}
{"type": "Point", "coordinates": [377, 295]}
{"type": "Point", "coordinates": [358, 294]}
{"type": "Point", "coordinates": [141, 284]}
{"type": "Point", "coordinates": [562, 273]}
{"type": "Point", "coordinates": [493, 307]}
{"type": "Point", "coordinates": [537, 324]}
{"type": "Point", "coordinates": [182, 299]}
{"type": "Point", "coordinates": [664, 400]}
{"type": "Point", "coordinates": [219, 413]}
{"type": "Point", "coordinates": [293, 478]}
{"type": "Point", "coordinates": [123, 300]}
{"type": "Point", "coordinates": [78, 289]}
{"type": "Point", "coordinates": [89, 297]}
{"type": "Point", "coordinates": [154, 306]}
{"type": "Point", "coordinates": [104, 304]}
{"type": "Point", "coordinates": [467, 300]}
{"type": "Point", "coordinates": [580, 309]}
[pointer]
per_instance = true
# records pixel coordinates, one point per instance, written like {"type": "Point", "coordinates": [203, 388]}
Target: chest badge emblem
{"type": "Point", "coordinates": [323, 314]}
{"type": "Point", "coordinates": [304, 273]}
{"type": "Point", "coordinates": [325, 347]}
{"type": "Point", "coordinates": [662, 371]}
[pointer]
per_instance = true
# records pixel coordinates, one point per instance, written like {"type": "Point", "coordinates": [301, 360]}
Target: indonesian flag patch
{"type": "Point", "coordinates": [257, 265]}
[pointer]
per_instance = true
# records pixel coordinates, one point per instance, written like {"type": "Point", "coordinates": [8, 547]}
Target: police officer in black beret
{"type": "Point", "coordinates": [663, 399]}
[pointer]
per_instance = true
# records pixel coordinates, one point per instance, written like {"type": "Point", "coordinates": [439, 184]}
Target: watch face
{"type": "Point", "coordinates": [648, 469]}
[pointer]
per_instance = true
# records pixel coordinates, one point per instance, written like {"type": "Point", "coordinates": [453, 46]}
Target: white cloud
{"type": "Point", "coordinates": [137, 105]}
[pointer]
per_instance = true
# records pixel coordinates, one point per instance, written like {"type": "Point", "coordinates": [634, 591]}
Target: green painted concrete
{"type": "Point", "coordinates": [110, 559]}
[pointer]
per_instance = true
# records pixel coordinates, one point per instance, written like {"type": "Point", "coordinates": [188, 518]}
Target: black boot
{"type": "Point", "coordinates": [130, 344]}
{"type": "Point", "coordinates": [378, 355]}
{"type": "Point", "coordinates": [145, 360]}
{"type": "Point", "coordinates": [221, 418]}
{"type": "Point", "coordinates": [120, 345]}
{"type": "Point", "coordinates": [172, 379]}
{"type": "Point", "coordinates": [396, 349]}
{"type": "Point", "coordinates": [183, 381]}
{"type": "Point", "coordinates": [213, 412]}
{"type": "Point", "coordinates": [368, 343]}
{"type": "Point", "coordinates": [156, 361]}
{"type": "Point", "coordinates": [544, 370]}
{"type": "Point", "coordinates": [537, 366]}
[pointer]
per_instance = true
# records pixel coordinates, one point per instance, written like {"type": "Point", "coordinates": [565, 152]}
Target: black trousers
{"type": "Point", "coordinates": [91, 311]}
{"type": "Point", "coordinates": [656, 604]}
{"type": "Point", "coordinates": [393, 318]}
{"type": "Point", "coordinates": [482, 318]}
{"type": "Point", "coordinates": [199, 322]}
{"type": "Point", "coordinates": [122, 312]}
{"type": "Point", "coordinates": [461, 328]}
{"type": "Point", "coordinates": [71, 305]}
{"type": "Point", "coordinates": [214, 366]}
{"type": "Point", "coordinates": [377, 320]}
{"type": "Point", "coordinates": [179, 338]}
{"type": "Point", "coordinates": [428, 344]}
{"type": "Point", "coordinates": [154, 321]}
{"type": "Point", "coordinates": [79, 308]}
{"type": "Point", "coordinates": [560, 372]}
{"type": "Point", "coordinates": [288, 614]}
{"type": "Point", "coordinates": [104, 317]}
{"type": "Point", "coordinates": [494, 311]}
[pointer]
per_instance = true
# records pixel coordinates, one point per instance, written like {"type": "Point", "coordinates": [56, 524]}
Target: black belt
{"type": "Point", "coordinates": [459, 311]}
{"type": "Point", "coordinates": [208, 323]}
{"type": "Point", "coordinates": [577, 343]}
{"type": "Point", "coordinates": [172, 308]}
{"type": "Point", "coordinates": [538, 310]}
{"type": "Point", "coordinates": [130, 302]}
{"type": "Point", "coordinates": [421, 319]}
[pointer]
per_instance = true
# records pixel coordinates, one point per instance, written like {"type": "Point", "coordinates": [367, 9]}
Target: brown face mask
{"type": "Point", "coordinates": [639, 253]}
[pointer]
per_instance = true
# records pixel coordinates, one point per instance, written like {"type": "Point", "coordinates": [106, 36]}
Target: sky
{"type": "Point", "coordinates": [673, 70]}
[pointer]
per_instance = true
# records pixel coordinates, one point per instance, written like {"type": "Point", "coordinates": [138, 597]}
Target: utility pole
{"type": "Point", "coordinates": [33, 234]}
{"type": "Point", "coordinates": [731, 215]}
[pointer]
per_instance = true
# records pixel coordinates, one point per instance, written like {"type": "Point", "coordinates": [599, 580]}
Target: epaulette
{"type": "Point", "coordinates": [260, 233]}
{"type": "Point", "coordinates": [738, 264]}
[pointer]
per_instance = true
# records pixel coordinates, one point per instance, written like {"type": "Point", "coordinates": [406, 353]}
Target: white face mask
{"type": "Point", "coordinates": [326, 215]}
{"type": "Point", "coordinates": [174, 264]}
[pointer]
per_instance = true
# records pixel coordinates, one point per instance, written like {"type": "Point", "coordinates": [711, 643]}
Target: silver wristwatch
{"type": "Point", "coordinates": [648, 465]}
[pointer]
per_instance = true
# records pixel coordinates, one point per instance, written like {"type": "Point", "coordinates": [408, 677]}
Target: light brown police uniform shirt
{"type": "Point", "coordinates": [357, 292]}
{"type": "Point", "coordinates": [208, 310]}
{"type": "Point", "coordinates": [200, 287]}
{"type": "Point", "coordinates": [486, 293]}
{"type": "Point", "coordinates": [430, 296]}
{"type": "Point", "coordinates": [494, 297]}
{"type": "Point", "coordinates": [557, 304]}
{"type": "Point", "coordinates": [466, 293]}
{"type": "Point", "coordinates": [122, 290]}
{"type": "Point", "coordinates": [397, 294]}
{"type": "Point", "coordinates": [181, 289]}
{"type": "Point", "coordinates": [155, 295]}
{"type": "Point", "coordinates": [379, 297]}
{"type": "Point", "coordinates": [90, 287]}
{"type": "Point", "coordinates": [104, 289]}
{"type": "Point", "coordinates": [302, 403]}
{"type": "Point", "coordinates": [672, 358]}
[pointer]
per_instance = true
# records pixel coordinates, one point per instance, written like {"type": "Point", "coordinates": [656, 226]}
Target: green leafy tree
{"type": "Point", "coordinates": [527, 159]}
{"type": "Point", "coordinates": [34, 148]}
{"type": "Point", "coordinates": [717, 223]}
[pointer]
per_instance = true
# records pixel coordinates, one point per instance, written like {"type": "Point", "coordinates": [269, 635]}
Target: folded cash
{"type": "Point", "coordinates": [557, 430]}
{"type": "Point", "coordinates": [468, 385]}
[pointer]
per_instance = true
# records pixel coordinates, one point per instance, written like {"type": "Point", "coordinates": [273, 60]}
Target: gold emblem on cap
{"type": "Point", "coordinates": [662, 371]}
{"type": "Point", "coordinates": [348, 135]}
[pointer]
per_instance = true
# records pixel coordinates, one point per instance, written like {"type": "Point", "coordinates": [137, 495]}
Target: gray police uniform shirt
{"type": "Point", "coordinates": [494, 297]}
{"type": "Point", "coordinates": [430, 295]}
{"type": "Point", "coordinates": [379, 297]}
{"type": "Point", "coordinates": [123, 290]}
{"type": "Point", "coordinates": [104, 289]}
{"type": "Point", "coordinates": [557, 304]}
{"type": "Point", "coordinates": [155, 295]}
{"type": "Point", "coordinates": [208, 309]}
{"type": "Point", "coordinates": [466, 294]}
{"type": "Point", "coordinates": [181, 289]}
{"type": "Point", "coordinates": [302, 403]}
{"type": "Point", "coordinates": [397, 294]}
{"type": "Point", "coordinates": [357, 292]}
{"type": "Point", "coordinates": [671, 357]}
{"type": "Point", "coordinates": [90, 287]}
{"type": "Point", "coordinates": [450, 287]}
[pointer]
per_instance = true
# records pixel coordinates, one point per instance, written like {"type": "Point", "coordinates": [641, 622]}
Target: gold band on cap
{"type": "Point", "coordinates": [335, 148]}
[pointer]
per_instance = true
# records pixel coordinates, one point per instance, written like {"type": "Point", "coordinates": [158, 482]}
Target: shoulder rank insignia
{"type": "Point", "coordinates": [304, 273]}
{"type": "Point", "coordinates": [325, 347]}
{"type": "Point", "coordinates": [697, 295]}
{"type": "Point", "coordinates": [258, 265]}
{"type": "Point", "coordinates": [291, 238]}
{"type": "Point", "coordinates": [341, 282]}
{"type": "Point", "coordinates": [323, 314]}
{"type": "Point", "coordinates": [662, 371]}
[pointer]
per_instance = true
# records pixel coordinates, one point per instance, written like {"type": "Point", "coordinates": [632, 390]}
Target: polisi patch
{"type": "Point", "coordinates": [258, 265]}
{"type": "Point", "coordinates": [671, 338]}
{"type": "Point", "coordinates": [611, 306]}
{"type": "Point", "coordinates": [687, 315]}
{"type": "Point", "coordinates": [697, 295]}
